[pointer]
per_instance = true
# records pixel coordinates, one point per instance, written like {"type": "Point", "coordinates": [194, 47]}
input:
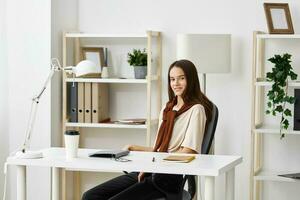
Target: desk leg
{"type": "Point", "coordinates": [21, 182]}
{"type": "Point", "coordinates": [55, 183]}
{"type": "Point", "coordinates": [230, 184]}
{"type": "Point", "coordinates": [209, 188]}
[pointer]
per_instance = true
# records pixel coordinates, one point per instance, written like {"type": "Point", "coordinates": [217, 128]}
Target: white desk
{"type": "Point", "coordinates": [208, 166]}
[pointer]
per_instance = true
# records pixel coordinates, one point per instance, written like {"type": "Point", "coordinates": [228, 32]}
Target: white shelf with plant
{"type": "Point", "coordinates": [136, 56]}
{"type": "Point", "coordinates": [273, 79]}
{"type": "Point", "coordinates": [128, 97]}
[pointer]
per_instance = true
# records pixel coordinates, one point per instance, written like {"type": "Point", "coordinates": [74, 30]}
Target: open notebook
{"type": "Point", "coordinates": [180, 159]}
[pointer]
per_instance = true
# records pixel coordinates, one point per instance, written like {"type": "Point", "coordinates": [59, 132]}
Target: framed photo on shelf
{"type": "Point", "coordinates": [279, 18]}
{"type": "Point", "coordinates": [94, 54]}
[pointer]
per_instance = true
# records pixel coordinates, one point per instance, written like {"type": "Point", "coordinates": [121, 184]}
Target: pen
{"type": "Point", "coordinates": [153, 159]}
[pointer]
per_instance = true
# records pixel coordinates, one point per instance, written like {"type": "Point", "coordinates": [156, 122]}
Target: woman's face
{"type": "Point", "coordinates": [177, 81]}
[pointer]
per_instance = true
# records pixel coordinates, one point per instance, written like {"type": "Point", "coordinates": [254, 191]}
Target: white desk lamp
{"type": "Point", "coordinates": [84, 67]}
{"type": "Point", "coordinates": [211, 53]}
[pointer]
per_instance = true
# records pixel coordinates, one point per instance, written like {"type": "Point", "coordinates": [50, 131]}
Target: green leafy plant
{"type": "Point", "coordinates": [137, 57]}
{"type": "Point", "coordinates": [278, 96]}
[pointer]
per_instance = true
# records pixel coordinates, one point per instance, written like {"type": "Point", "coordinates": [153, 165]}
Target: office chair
{"type": "Point", "coordinates": [205, 148]}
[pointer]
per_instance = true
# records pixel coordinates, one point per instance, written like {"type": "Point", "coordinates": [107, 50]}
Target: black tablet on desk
{"type": "Point", "coordinates": [294, 175]}
{"type": "Point", "coordinates": [109, 153]}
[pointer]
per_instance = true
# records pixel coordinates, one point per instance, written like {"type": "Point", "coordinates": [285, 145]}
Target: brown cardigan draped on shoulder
{"type": "Point", "coordinates": [166, 127]}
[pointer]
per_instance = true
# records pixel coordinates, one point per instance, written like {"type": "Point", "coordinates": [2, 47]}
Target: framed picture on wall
{"type": "Point", "coordinates": [279, 18]}
{"type": "Point", "coordinates": [94, 54]}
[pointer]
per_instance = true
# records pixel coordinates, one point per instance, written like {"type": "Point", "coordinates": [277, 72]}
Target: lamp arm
{"type": "Point", "coordinates": [55, 66]}
{"type": "Point", "coordinates": [31, 121]}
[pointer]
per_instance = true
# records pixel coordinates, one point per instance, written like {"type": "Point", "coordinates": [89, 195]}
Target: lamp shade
{"type": "Point", "coordinates": [211, 53]}
{"type": "Point", "coordinates": [86, 67]}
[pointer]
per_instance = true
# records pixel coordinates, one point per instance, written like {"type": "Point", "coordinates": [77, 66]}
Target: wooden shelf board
{"type": "Point", "coordinates": [274, 130]}
{"type": "Point", "coordinates": [278, 36]}
{"type": "Point", "coordinates": [105, 125]}
{"type": "Point", "coordinates": [106, 80]}
{"type": "Point", "coordinates": [266, 175]}
{"type": "Point", "coordinates": [111, 80]}
{"type": "Point", "coordinates": [267, 83]}
{"type": "Point", "coordinates": [98, 35]}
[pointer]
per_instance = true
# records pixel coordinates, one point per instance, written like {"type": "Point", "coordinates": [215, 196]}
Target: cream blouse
{"type": "Point", "coordinates": [188, 129]}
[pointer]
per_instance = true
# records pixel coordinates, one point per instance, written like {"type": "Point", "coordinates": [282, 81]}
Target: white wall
{"type": "Point", "coordinates": [34, 32]}
{"type": "Point", "coordinates": [28, 54]}
{"type": "Point", "coordinates": [63, 18]}
{"type": "Point", "coordinates": [230, 92]}
{"type": "Point", "coordinates": [3, 93]}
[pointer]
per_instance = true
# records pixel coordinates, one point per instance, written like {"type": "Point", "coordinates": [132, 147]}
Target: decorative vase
{"type": "Point", "coordinates": [140, 72]}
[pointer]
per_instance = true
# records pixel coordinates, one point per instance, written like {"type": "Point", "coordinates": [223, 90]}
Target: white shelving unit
{"type": "Point", "coordinates": [72, 42]}
{"type": "Point", "coordinates": [258, 126]}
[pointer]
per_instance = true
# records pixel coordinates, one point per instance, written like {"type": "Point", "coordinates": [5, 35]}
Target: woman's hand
{"type": "Point", "coordinates": [141, 176]}
{"type": "Point", "coordinates": [128, 147]}
{"type": "Point", "coordinates": [132, 147]}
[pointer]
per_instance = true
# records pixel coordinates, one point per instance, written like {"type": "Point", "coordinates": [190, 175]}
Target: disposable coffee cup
{"type": "Point", "coordinates": [71, 144]}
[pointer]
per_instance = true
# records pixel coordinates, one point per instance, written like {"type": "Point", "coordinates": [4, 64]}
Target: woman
{"type": "Point", "coordinates": [182, 126]}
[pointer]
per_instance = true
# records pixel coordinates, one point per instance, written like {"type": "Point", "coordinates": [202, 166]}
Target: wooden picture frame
{"type": "Point", "coordinates": [94, 54]}
{"type": "Point", "coordinates": [279, 18]}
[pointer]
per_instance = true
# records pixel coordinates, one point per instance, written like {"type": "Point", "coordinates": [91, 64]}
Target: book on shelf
{"type": "Point", "coordinates": [293, 175]}
{"type": "Point", "coordinates": [87, 102]}
{"type": "Point", "coordinates": [81, 102]}
{"type": "Point", "coordinates": [131, 121]}
{"type": "Point", "coordinates": [179, 158]}
{"type": "Point", "coordinates": [72, 102]}
{"type": "Point", "coordinates": [99, 102]}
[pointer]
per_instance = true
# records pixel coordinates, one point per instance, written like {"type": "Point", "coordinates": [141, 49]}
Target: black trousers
{"type": "Point", "coordinates": [124, 187]}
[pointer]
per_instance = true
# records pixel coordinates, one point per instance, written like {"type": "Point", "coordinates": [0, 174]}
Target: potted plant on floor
{"type": "Point", "coordinates": [278, 94]}
{"type": "Point", "coordinates": [138, 59]}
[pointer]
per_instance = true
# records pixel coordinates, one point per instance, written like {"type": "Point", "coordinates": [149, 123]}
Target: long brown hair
{"type": "Point", "coordinates": [192, 93]}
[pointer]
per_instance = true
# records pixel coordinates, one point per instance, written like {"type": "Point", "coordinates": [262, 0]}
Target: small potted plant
{"type": "Point", "coordinates": [278, 94]}
{"type": "Point", "coordinates": [138, 59]}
